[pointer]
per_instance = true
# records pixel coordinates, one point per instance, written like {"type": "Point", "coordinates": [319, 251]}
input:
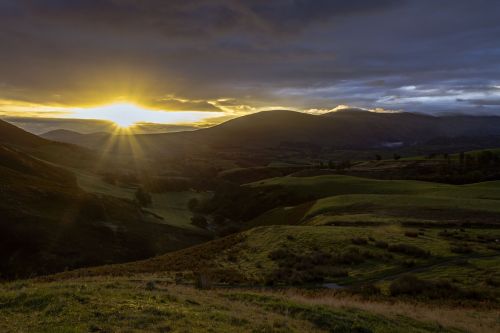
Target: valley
{"type": "Point", "coordinates": [299, 240]}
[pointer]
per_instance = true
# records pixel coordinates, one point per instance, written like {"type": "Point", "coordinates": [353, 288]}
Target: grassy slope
{"type": "Point", "coordinates": [48, 224]}
{"type": "Point", "coordinates": [244, 258]}
{"type": "Point", "coordinates": [154, 304]}
{"type": "Point", "coordinates": [354, 199]}
{"type": "Point", "coordinates": [170, 206]}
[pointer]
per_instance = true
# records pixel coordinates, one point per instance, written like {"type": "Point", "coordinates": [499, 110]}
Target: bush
{"type": "Point", "coordinates": [295, 269]}
{"type": "Point", "coordinates": [350, 256]}
{"type": "Point", "coordinates": [359, 241]}
{"type": "Point", "coordinates": [412, 234]}
{"type": "Point", "coordinates": [151, 285]}
{"type": "Point", "coordinates": [409, 250]}
{"type": "Point", "coordinates": [367, 290]}
{"type": "Point", "coordinates": [381, 244]}
{"type": "Point", "coordinates": [203, 280]}
{"type": "Point", "coordinates": [278, 254]}
{"type": "Point", "coordinates": [461, 248]}
{"type": "Point", "coordinates": [493, 281]}
{"type": "Point", "coordinates": [199, 221]}
{"type": "Point", "coordinates": [407, 285]}
{"type": "Point", "coordinates": [142, 197]}
{"type": "Point", "coordinates": [413, 286]}
{"type": "Point", "coordinates": [193, 204]}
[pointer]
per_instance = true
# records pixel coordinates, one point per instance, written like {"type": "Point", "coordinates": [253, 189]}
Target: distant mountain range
{"type": "Point", "coordinates": [348, 129]}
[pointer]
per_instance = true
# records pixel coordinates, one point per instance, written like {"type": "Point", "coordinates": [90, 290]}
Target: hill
{"type": "Point", "coordinates": [272, 133]}
{"type": "Point", "coordinates": [57, 152]}
{"type": "Point", "coordinates": [349, 231]}
{"type": "Point", "coordinates": [49, 224]}
{"type": "Point", "coordinates": [10, 134]}
{"type": "Point", "coordinates": [90, 140]}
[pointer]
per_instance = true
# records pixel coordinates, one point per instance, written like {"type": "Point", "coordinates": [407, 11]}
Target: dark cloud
{"type": "Point", "coordinates": [415, 55]}
{"type": "Point", "coordinates": [194, 18]}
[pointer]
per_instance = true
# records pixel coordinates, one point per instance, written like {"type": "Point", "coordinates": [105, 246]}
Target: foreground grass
{"type": "Point", "coordinates": [356, 258]}
{"type": "Point", "coordinates": [150, 303]}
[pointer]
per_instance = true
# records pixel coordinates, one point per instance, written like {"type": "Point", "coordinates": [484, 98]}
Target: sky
{"type": "Point", "coordinates": [193, 63]}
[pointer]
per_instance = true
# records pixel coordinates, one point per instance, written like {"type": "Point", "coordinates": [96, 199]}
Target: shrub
{"type": "Point", "coordinates": [442, 289]}
{"type": "Point", "coordinates": [493, 281]}
{"type": "Point", "coordinates": [314, 267]}
{"type": "Point", "coordinates": [193, 204]}
{"type": "Point", "coordinates": [407, 285]}
{"type": "Point", "coordinates": [412, 234]}
{"type": "Point", "coordinates": [142, 197]}
{"type": "Point", "coordinates": [151, 285]}
{"type": "Point", "coordinates": [202, 281]}
{"type": "Point", "coordinates": [409, 250]}
{"type": "Point", "coordinates": [461, 248]}
{"type": "Point", "coordinates": [278, 254]}
{"type": "Point", "coordinates": [199, 221]}
{"type": "Point", "coordinates": [359, 241]}
{"type": "Point", "coordinates": [381, 244]}
{"type": "Point", "coordinates": [367, 290]}
{"type": "Point", "coordinates": [350, 256]}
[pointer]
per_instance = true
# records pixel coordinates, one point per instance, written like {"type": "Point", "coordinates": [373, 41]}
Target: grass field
{"type": "Point", "coordinates": [330, 185]}
{"type": "Point", "coordinates": [152, 303]}
{"type": "Point", "coordinates": [366, 255]}
{"type": "Point", "coordinates": [362, 231]}
{"type": "Point", "coordinates": [343, 199]}
{"type": "Point", "coordinates": [170, 206]}
{"type": "Point", "coordinates": [348, 232]}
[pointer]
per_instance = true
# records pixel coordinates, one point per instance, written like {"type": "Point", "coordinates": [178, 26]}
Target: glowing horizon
{"type": "Point", "coordinates": [125, 114]}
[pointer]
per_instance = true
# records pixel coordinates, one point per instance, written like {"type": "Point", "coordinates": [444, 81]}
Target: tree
{"type": "Point", "coordinates": [461, 158]}
{"type": "Point", "coordinates": [396, 156]}
{"type": "Point", "coordinates": [193, 204]}
{"type": "Point", "coordinates": [344, 165]}
{"type": "Point", "coordinates": [142, 197]}
{"type": "Point", "coordinates": [199, 221]}
{"type": "Point", "coordinates": [485, 158]}
{"type": "Point", "coordinates": [378, 157]}
{"type": "Point", "coordinates": [109, 178]}
{"type": "Point", "coordinates": [331, 164]}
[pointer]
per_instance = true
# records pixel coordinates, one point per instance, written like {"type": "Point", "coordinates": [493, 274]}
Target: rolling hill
{"type": "Point", "coordinates": [52, 151]}
{"type": "Point", "coordinates": [289, 130]}
{"type": "Point", "coordinates": [91, 140]}
{"type": "Point", "coordinates": [48, 223]}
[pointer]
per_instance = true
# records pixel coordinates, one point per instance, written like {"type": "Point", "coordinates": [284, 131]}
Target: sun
{"type": "Point", "coordinates": [123, 115]}
{"type": "Point", "coordinates": [126, 115]}
{"type": "Point", "coordinates": [124, 123]}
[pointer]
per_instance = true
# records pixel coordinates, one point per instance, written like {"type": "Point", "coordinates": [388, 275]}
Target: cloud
{"type": "Point", "coordinates": [243, 56]}
{"type": "Point", "coordinates": [171, 102]}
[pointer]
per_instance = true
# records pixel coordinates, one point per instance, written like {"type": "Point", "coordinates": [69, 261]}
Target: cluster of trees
{"type": "Point", "coordinates": [143, 198]}
{"type": "Point", "coordinates": [467, 167]}
{"type": "Point", "coordinates": [340, 165]}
